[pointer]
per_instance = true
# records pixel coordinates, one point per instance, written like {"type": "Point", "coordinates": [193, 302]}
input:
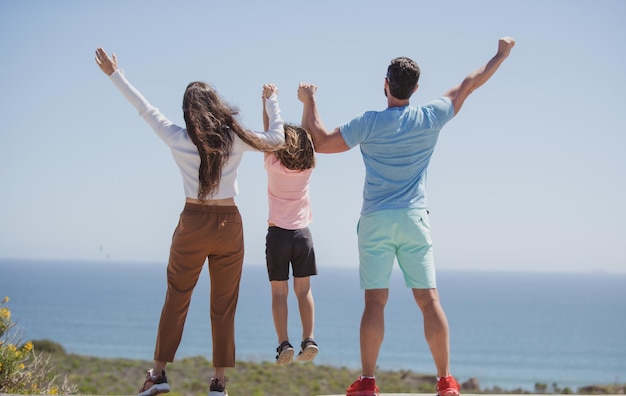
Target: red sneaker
{"type": "Point", "coordinates": [363, 387]}
{"type": "Point", "coordinates": [447, 386]}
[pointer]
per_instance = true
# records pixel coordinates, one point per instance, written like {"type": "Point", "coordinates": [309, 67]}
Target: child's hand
{"type": "Point", "coordinates": [269, 90]}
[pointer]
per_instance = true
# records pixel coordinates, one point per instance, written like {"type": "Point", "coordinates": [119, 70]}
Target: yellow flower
{"type": "Point", "coordinates": [21, 366]}
{"type": "Point", "coordinates": [28, 346]}
{"type": "Point", "coordinates": [12, 348]}
{"type": "Point", "coordinates": [53, 391]}
{"type": "Point", "coordinates": [5, 314]}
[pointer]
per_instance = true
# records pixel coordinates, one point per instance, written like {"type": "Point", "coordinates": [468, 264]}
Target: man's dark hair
{"type": "Point", "coordinates": [403, 74]}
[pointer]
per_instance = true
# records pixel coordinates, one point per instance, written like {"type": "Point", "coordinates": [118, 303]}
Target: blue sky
{"type": "Point", "coordinates": [528, 176]}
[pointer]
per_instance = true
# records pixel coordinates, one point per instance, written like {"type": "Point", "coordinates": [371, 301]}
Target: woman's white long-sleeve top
{"type": "Point", "coordinates": [183, 149]}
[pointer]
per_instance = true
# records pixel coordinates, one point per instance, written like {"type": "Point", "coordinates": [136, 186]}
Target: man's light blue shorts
{"type": "Point", "coordinates": [396, 233]}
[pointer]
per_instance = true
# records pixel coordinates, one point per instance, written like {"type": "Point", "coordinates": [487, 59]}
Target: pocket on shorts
{"type": "Point", "coordinates": [421, 216]}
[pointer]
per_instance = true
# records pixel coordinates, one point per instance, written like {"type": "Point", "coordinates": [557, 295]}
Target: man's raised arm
{"type": "Point", "coordinates": [323, 140]}
{"type": "Point", "coordinates": [480, 76]}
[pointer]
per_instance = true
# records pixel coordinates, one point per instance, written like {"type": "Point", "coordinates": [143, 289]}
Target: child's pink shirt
{"type": "Point", "coordinates": [287, 195]}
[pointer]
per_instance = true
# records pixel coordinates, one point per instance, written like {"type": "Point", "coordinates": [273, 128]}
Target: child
{"type": "Point", "coordinates": [289, 239]}
{"type": "Point", "coordinates": [208, 152]}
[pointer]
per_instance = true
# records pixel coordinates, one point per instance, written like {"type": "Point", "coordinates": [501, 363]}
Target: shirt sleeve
{"type": "Point", "coordinates": [163, 127]}
{"type": "Point", "coordinates": [440, 110]}
{"type": "Point", "coordinates": [355, 130]}
{"type": "Point", "coordinates": [275, 133]}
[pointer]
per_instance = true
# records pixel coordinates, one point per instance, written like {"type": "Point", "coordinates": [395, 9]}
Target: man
{"type": "Point", "coordinates": [397, 144]}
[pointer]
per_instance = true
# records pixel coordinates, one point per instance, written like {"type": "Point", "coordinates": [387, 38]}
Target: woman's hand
{"type": "Point", "coordinates": [269, 90]}
{"type": "Point", "coordinates": [107, 65]}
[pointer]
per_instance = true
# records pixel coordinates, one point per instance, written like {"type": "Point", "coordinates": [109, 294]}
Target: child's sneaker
{"type": "Point", "coordinates": [285, 353]}
{"type": "Point", "coordinates": [447, 386]}
{"type": "Point", "coordinates": [308, 350]}
{"type": "Point", "coordinates": [363, 387]}
{"type": "Point", "coordinates": [217, 388]}
{"type": "Point", "coordinates": [154, 384]}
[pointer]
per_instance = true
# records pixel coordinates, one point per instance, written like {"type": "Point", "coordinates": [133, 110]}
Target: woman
{"type": "Point", "coordinates": [208, 152]}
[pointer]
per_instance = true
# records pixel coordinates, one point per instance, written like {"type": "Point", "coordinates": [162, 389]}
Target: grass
{"type": "Point", "coordinates": [190, 377]}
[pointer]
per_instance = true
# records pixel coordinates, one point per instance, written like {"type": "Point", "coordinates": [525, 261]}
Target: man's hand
{"type": "Point", "coordinates": [107, 65]}
{"type": "Point", "coordinates": [504, 46]}
{"type": "Point", "coordinates": [478, 77]}
{"type": "Point", "coordinates": [306, 92]}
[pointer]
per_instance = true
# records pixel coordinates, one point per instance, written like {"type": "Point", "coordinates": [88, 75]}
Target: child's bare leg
{"type": "Point", "coordinates": [306, 305]}
{"type": "Point", "coordinates": [280, 290]}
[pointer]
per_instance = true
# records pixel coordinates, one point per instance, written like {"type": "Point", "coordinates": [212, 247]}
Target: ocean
{"type": "Point", "coordinates": [508, 329]}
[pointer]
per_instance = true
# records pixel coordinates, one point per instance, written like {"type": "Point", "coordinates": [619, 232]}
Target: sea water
{"type": "Point", "coordinates": [507, 329]}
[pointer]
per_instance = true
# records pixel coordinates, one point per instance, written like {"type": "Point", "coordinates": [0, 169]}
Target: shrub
{"type": "Point", "coordinates": [48, 346]}
{"type": "Point", "coordinates": [22, 370]}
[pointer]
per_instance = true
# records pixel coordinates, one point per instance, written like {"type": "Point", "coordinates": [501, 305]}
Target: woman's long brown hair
{"type": "Point", "coordinates": [212, 126]}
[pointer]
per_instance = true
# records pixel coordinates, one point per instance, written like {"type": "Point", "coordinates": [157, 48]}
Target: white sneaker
{"type": "Point", "coordinates": [154, 384]}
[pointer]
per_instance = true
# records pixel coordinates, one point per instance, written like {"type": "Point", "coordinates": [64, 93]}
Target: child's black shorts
{"type": "Point", "coordinates": [289, 246]}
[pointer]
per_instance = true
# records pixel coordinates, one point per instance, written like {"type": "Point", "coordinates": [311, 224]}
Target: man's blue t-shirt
{"type": "Point", "coordinates": [397, 144]}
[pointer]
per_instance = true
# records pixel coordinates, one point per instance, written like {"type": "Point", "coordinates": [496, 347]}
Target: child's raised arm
{"type": "Point", "coordinates": [268, 90]}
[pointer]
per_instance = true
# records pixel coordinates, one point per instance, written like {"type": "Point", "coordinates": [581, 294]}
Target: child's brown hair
{"type": "Point", "coordinates": [298, 152]}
